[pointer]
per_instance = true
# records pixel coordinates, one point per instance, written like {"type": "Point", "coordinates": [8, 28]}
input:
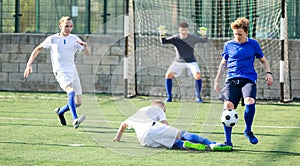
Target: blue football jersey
{"type": "Point", "coordinates": [240, 58]}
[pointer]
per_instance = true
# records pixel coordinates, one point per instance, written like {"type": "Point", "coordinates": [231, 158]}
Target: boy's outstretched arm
{"type": "Point", "coordinates": [34, 54]}
{"type": "Point", "coordinates": [122, 128]}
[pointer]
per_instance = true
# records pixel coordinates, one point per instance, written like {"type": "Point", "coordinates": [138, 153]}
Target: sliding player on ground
{"type": "Point", "coordinates": [152, 130]}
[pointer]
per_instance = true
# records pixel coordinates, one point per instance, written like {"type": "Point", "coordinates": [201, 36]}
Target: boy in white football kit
{"type": "Point", "coordinates": [63, 47]}
{"type": "Point", "coordinates": [152, 130]}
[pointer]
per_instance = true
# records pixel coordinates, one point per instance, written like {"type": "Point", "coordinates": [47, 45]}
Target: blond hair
{"type": "Point", "coordinates": [240, 22]}
{"type": "Point", "coordinates": [63, 19]}
{"type": "Point", "coordinates": [159, 103]}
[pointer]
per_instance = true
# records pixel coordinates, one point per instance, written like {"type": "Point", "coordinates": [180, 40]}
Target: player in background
{"type": "Point", "coordinates": [184, 44]}
{"type": "Point", "coordinates": [152, 130]}
{"type": "Point", "coordinates": [63, 47]}
{"type": "Point", "coordinates": [238, 58]}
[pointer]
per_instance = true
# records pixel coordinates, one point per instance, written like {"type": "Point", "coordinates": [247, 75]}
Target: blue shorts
{"type": "Point", "coordinates": [236, 89]}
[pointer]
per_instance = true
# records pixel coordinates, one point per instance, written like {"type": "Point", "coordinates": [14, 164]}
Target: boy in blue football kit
{"type": "Point", "coordinates": [63, 47]}
{"type": "Point", "coordinates": [184, 44]}
{"type": "Point", "coordinates": [238, 58]}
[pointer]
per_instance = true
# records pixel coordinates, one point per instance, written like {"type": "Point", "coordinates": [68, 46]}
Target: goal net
{"type": "Point", "coordinates": [152, 59]}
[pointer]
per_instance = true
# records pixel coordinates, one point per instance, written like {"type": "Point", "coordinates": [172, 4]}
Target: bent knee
{"type": "Point", "coordinates": [249, 100]}
{"type": "Point", "coordinates": [78, 100]}
{"type": "Point", "coordinates": [197, 76]}
{"type": "Point", "coordinates": [69, 89]}
{"type": "Point", "coordinates": [169, 75]}
{"type": "Point", "coordinates": [228, 105]}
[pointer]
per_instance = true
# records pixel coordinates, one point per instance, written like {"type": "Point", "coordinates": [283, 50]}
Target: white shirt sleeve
{"type": "Point", "coordinates": [78, 46]}
{"type": "Point", "coordinates": [47, 42]}
{"type": "Point", "coordinates": [129, 123]}
{"type": "Point", "coordinates": [162, 116]}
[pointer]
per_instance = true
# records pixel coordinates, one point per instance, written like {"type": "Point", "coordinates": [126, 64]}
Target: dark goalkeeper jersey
{"type": "Point", "coordinates": [184, 47]}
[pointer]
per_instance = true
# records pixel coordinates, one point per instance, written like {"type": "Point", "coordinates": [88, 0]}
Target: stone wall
{"type": "Point", "coordinates": [102, 72]}
{"type": "Point", "coordinates": [294, 52]}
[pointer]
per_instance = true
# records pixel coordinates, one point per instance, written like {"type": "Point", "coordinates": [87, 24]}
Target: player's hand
{"type": "Point", "coordinates": [27, 71]}
{"type": "Point", "coordinates": [269, 79]}
{"type": "Point", "coordinates": [217, 88]}
{"type": "Point", "coordinates": [116, 140]}
{"type": "Point", "coordinates": [202, 31]}
{"type": "Point", "coordinates": [162, 30]}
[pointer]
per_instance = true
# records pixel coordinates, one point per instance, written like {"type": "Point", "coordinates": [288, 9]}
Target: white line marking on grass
{"type": "Point", "coordinates": [43, 97]}
{"type": "Point", "coordinates": [33, 97]}
{"type": "Point", "coordinates": [28, 119]}
{"type": "Point", "coordinates": [76, 145]}
{"type": "Point", "coordinates": [108, 121]}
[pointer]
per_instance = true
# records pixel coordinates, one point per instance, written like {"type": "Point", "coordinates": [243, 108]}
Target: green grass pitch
{"type": "Point", "coordinates": [32, 135]}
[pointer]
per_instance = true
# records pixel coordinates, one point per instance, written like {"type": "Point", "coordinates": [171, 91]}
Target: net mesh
{"type": "Point", "coordinates": [153, 59]}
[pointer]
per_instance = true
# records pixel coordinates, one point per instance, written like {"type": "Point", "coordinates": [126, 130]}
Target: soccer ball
{"type": "Point", "coordinates": [229, 118]}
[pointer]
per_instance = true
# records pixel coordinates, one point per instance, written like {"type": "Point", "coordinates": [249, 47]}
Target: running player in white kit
{"type": "Point", "coordinates": [63, 47]}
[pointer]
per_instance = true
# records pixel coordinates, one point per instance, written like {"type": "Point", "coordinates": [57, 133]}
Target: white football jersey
{"type": "Point", "coordinates": [62, 50]}
{"type": "Point", "coordinates": [150, 132]}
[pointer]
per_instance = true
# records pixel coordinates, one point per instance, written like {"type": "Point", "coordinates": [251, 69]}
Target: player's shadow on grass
{"type": "Point", "coordinates": [99, 132]}
{"type": "Point", "coordinates": [257, 134]}
{"type": "Point", "coordinates": [108, 130]}
{"type": "Point", "coordinates": [86, 127]}
{"type": "Point", "coordinates": [235, 133]}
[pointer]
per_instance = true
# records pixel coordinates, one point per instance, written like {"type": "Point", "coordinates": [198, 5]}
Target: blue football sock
{"type": "Point", "coordinates": [178, 144]}
{"type": "Point", "coordinates": [227, 133]}
{"type": "Point", "coordinates": [72, 105]}
{"type": "Point", "coordinates": [195, 138]}
{"type": "Point", "coordinates": [169, 87]}
{"type": "Point", "coordinates": [63, 109]}
{"type": "Point", "coordinates": [249, 116]}
{"type": "Point", "coordinates": [198, 87]}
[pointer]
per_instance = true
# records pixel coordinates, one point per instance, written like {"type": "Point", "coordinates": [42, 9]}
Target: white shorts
{"type": "Point", "coordinates": [65, 79]}
{"type": "Point", "coordinates": [160, 135]}
{"type": "Point", "coordinates": [177, 67]}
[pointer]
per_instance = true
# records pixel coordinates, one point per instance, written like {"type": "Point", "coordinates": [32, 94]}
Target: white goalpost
{"type": "Point", "coordinates": [129, 59]}
{"type": "Point", "coordinates": [284, 76]}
